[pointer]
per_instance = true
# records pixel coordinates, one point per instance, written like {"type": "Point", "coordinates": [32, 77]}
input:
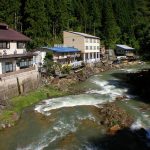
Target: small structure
{"type": "Point", "coordinates": [123, 50]}
{"type": "Point", "coordinates": [38, 59]}
{"type": "Point", "coordinates": [89, 45]}
{"type": "Point", "coordinates": [65, 55]}
{"type": "Point", "coordinates": [13, 54]}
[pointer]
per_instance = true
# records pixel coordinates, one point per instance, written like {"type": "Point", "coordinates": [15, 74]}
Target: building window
{"type": "Point", "coordinates": [20, 45]}
{"type": "Point", "coordinates": [23, 63]}
{"type": "Point", "coordinates": [87, 47]}
{"type": "Point", "coordinates": [5, 45]}
{"type": "Point", "coordinates": [7, 67]}
{"type": "Point", "coordinates": [30, 62]}
{"type": "Point", "coordinates": [97, 41]}
{"type": "Point", "coordinates": [95, 55]}
{"type": "Point", "coordinates": [90, 40]}
{"type": "Point", "coordinates": [86, 56]}
{"type": "Point", "coordinates": [90, 47]}
{"type": "Point", "coordinates": [98, 55]}
{"type": "Point", "coordinates": [94, 40]}
{"type": "Point", "coordinates": [98, 48]}
{"type": "Point", "coordinates": [91, 55]}
{"type": "Point", "coordinates": [94, 47]}
{"type": "Point", "coordinates": [87, 40]}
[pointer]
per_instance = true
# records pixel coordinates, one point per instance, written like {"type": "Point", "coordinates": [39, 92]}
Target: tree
{"type": "Point", "coordinates": [9, 12]}
{"type": "Point", "coordinates": [37, 23]}
{"type": "Point", "coordinates": [111, 30]}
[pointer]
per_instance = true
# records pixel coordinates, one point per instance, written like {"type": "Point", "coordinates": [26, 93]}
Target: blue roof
{"type": "Point", "coordinates": [62, 49]}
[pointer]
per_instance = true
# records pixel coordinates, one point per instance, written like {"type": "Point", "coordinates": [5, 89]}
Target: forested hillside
{"type": "Point", "coordinates": [114, 21]}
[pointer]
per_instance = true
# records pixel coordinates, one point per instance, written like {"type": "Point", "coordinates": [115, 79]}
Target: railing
{"type": "Point", "coordinates": [76, 64]}
{"type": "Point", "coordinates": [92, 60]}
{"type": "Point", "coordinates": [62, 57]}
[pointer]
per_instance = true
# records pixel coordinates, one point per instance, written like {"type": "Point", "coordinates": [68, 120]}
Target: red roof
{"type": "Point", "coordinates": [7, 34]}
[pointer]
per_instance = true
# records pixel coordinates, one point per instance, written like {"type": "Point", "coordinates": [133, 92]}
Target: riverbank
{"type": "Point", "coordinates": [52, 87]}
{"type": "Point", "coordinates": [12, 112]}
{"type": "Point", "coordinates": [80, 76]}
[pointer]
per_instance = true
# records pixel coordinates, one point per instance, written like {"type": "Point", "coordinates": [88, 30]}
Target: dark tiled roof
{"type": "Point", "coordinates": [7, 34]}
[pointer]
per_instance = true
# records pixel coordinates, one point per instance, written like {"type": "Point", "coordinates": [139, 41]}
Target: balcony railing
{"type": "Point", "coordinates": [64, 56]}
{"type": "Point", "coordinates": [27, 54]}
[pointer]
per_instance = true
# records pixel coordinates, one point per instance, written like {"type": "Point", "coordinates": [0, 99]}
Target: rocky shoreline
{"type": "Point", "coordinates": [83, 74]}
{"type": "Point", "coordinates": [64, 84]}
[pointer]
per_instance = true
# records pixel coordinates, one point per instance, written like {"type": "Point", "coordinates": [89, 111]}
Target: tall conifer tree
{"type": "Point", "coordinates": [111, 30]}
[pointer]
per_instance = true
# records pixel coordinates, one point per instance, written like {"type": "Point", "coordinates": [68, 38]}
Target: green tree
{"type": "Point", "coordinates": [37, 23]}
{"type": "Point", "coordinates": [111, 30]}
{"type": "Point", "coordinates": [9, 12]}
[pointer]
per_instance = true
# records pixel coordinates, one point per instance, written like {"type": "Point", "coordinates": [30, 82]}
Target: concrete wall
{"type": "Point", "coordinates": [16, 84]}
{"type": "Point", "coordinates": [0, 67]}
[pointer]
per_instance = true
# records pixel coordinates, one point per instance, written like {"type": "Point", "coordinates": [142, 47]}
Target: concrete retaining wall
{"type": "Point", "coordinates": [19, 83]}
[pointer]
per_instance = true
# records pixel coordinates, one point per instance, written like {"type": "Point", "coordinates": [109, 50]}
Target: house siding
{"type": "Point", "coordinates": [12, 49]}
{"type": "Point", "coordinates": [0, 67]}
{"type": "Point", "coordinates": [73, 40]}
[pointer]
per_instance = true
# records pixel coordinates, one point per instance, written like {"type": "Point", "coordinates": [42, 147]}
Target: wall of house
{"type": "Point", "coordinates": [91, 42]}
{"type": "Point", "coordinates": [39, 58]}
{"type": "Point", "coordinates": [12, 49]}
{"type": "Point", "coordinates": [120, 51]}
{"type": "Point", "coordinates": [0, 67]}
{"type": "Point", "coordinates": [16, 84]}
{"type": "Point", "coordinates": [74, 40]}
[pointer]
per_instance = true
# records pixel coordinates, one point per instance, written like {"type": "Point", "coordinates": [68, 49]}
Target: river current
{"type": "Point", "coordinates": [69, 123]}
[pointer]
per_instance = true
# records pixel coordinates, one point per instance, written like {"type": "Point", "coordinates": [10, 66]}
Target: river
{"type": "Point", "coordinates": [68, 123]}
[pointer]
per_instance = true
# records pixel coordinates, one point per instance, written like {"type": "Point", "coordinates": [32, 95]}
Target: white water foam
{"type": "Point", "coordinates": [132, 70]}
{"type": "Point", "coordinates": [107, 89]}
{"type": "Point", "coordinates": [137, 125]}
{"type": "Point", "coordinates": [68, 101]}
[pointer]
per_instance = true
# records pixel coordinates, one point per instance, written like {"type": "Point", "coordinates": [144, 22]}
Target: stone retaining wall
{"type": "Point", "coordinates": [19, 83]}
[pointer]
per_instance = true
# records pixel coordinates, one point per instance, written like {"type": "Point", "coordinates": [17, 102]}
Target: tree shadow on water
{"type": "Point", "coordinates": [139, 83]}
{"type": "Point", "coordinates": [124, 139]}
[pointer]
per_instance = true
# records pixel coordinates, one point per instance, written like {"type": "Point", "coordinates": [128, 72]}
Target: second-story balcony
{"type": "Point", "coordinates": [15, 55]}
{"type": "Point", "coordinates": [55, 57]}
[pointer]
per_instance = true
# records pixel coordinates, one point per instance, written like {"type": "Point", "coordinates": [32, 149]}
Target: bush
{"type": "Point", "coordinates": [66, 69]}
{"type": "Point", "coordinates": [51, 67]}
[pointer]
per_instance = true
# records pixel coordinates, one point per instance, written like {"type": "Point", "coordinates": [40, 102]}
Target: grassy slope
{"type": "Point", "coordinates": [17, 104]}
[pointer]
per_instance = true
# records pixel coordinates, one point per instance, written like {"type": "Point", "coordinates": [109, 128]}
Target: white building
{"type": "Point", "coordinates": [38, 59]}
{"type": "Point", "coordinates": [13, 54]}
{"type": "Point", "coordinates": [89, 45]}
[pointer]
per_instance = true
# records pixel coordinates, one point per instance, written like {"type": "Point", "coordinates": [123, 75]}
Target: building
{"type": "Point", "coordinates": [65, 55]}
{"type": "Point", "coordinates": [89, 45]}
{"type": "Point", "coordinates": [38, 59]}
{"type": "Point", "coordinates": [13, 54]}
{"type": "Point", "coordinates": [123, 50]}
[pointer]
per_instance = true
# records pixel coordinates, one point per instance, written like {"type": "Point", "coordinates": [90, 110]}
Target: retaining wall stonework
{"type": "Point", "coordinates": [19, 83]}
